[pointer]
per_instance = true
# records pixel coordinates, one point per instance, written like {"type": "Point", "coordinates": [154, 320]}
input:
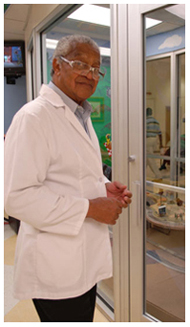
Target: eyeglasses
{"type": "Point", "coordinates": [82, 68]}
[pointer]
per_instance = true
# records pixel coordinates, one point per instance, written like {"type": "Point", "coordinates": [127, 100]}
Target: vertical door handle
{"type": "Point", "coordinates": [137, 189]}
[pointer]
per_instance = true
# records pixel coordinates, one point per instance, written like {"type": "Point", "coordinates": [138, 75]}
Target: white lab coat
{"type": "Point", "coordinates": [52, 168]}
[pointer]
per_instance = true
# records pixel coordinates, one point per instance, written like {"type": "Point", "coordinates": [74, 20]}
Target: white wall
{"type": "Point", "coordinates": [14, 99]}
{"type": "Point", "coordinates": [38, 13]}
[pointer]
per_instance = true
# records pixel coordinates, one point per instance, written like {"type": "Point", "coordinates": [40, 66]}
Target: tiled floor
{"type": "Point", "coordinates": [165, 284]}
{"type": "Point", "coordinates": [15, 310]}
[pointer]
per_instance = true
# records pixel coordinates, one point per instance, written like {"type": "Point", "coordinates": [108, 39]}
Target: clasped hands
{"type": "Point", "coordinates": [107, 209]}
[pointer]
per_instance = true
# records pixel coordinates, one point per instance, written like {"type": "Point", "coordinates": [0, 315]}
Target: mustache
{"type": "Point", "coordinates": [86, 81]}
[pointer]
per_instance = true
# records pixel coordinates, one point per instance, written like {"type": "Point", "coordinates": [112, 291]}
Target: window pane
{"type": "Point", "coordinates": [181, 120]}
{"type": "Point", "coordinates": [158, 119]}
{"type": "Point", "coordinates": [165, 165]}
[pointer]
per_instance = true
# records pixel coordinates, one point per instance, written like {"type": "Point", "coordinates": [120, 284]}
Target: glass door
{"type": "Point", "coordinates": [164, 234]}
{"type": "Point", "coordinates": [93, 21]}
{"type": "Point", "coordinates": [147, 70]}
{"type": "Point", "coordinates": [157, 173]}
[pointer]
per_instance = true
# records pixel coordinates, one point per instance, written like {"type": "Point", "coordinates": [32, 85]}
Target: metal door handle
{"type": "Point", "coordinates": [137, 187]}
{"type": "Point", "coordinates": [132, 158]}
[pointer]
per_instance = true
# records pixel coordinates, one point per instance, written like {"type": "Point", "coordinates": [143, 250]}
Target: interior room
{"type": "Point", "coordinates": [138, 114]}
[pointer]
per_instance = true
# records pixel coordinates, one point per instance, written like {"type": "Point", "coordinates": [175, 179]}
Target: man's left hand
{"type": "Point", "coordinates": [120, 192]}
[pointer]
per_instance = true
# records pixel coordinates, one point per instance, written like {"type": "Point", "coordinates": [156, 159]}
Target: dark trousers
{"type": "Point", "coordinates": [78, 309]}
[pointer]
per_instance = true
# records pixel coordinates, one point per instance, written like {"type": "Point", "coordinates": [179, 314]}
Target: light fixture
{"type": "Point", "coordinates": [89, 13]}
{"type": "Point", "coordinates": [51, 43]}
{"type": "Point", "coordinates": [105, 51]}
{"type": "Point", "coordinates": [152, 22]}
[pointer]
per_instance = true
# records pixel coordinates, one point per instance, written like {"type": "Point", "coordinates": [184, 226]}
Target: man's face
{"type": "Point", "coordinates": [76, 86]}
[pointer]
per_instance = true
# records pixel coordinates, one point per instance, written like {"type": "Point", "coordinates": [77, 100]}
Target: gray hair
{"type": "Point", "coordinates": [67, 43]}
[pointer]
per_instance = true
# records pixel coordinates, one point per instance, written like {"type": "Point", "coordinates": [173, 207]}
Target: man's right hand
{"type": "Point", "coordinates": [105, 210]}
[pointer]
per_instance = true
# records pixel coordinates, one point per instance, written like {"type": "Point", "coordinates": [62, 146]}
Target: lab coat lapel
{"type": "Point", "coordinates": [92, 141]}
{"type": "Point", "coordinates": [94, 137]}
{"type": "Point", "coordinates": [57, 102]}
{"type": "Point", "coordinates": [70, 116]}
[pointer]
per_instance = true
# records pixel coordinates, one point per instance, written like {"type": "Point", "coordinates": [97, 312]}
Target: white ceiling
{"type": "Point", "coordinates": [170, 21]}
{"type": "Point", "coordinates": [15, 19]}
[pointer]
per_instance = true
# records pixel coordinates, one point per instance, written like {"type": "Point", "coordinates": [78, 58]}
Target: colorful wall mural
{"type": "Point", "coordinates": [101, 116]}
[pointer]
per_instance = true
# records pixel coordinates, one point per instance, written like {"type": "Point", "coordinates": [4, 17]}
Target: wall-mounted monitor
{"type": "Point", "coordinates": [14, 58]}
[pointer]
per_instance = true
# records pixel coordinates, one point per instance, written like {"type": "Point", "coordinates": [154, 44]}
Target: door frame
{"type": "Point", "coordinates": [128, 119]}
{"type": "Point", "coordinates": [128, 159]}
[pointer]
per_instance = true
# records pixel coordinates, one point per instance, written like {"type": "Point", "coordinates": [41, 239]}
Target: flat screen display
{"type": "Point", "coordinates": [13, 57]}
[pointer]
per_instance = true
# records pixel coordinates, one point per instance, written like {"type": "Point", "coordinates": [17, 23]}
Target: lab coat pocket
{"type": "Point", "coordinates": [59, 260]}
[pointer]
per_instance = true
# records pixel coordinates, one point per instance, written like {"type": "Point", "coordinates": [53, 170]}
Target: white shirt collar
{"type": "Point", "coordinates": [69, 102]}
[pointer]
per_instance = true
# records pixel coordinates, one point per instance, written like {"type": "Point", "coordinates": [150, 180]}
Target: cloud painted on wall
{"type": "Point", "coordinates": [171, 42]}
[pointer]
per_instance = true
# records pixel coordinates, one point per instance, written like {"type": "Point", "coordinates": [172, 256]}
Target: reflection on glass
{"type": "Point", "coordinates": [165, 253]}
{"type": "Point", "coordinates": [79, 23]}
{"type": "Point", "coordinates": [158, 118]}
{"type": "Point", "coordinates": [165, 166]}
{"type": "Point", "coordinates": [181, 120]}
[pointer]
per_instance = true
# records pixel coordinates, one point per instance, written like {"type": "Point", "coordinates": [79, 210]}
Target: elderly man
{"type": "Point", "coordinates": [55, 186]}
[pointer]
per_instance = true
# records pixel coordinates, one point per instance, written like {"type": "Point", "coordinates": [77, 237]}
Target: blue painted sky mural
{"type": "Point", "coordinates": [165, 42]}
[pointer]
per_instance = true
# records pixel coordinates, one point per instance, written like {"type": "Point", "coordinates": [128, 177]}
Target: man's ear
{"type": "Point", "coordinates": [56, 66]}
